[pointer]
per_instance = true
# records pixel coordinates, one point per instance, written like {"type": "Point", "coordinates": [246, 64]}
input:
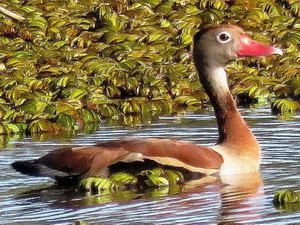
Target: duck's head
{"type": "Point", "coordinates": [217, 46]}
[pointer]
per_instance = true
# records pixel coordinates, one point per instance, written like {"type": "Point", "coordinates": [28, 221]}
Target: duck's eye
{"type": "Point", "coordinates": [224, 37]}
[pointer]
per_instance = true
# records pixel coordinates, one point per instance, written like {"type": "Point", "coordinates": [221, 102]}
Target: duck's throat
{"type": "Point", "coordinates": [232, 128]}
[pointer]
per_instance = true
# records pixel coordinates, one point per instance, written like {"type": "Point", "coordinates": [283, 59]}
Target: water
{"type": "Point", "coordinates": [203, 204]}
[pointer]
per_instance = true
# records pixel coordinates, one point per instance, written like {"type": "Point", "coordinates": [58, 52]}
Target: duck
{"type": "Point", "coordinates": [236, 152]}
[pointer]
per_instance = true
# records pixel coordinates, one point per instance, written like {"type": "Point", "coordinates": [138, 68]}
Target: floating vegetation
{"type": "Point", "coordinates": [287, 200]}
{"type": "Point", "coordinates": [81, 222]}
{"type": "Point", "coordinates": [155, 178]}
{"type": "Point", "coordinates": [72, 63]}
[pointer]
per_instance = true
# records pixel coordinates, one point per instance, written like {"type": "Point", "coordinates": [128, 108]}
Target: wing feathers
{"type": "Point", "coordinates": [186, 152]}
{"type": "Point", "coordinates": [94, 160]}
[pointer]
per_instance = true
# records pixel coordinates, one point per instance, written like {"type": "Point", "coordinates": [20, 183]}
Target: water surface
{"type": "Point", "coordinates": [202, 204]}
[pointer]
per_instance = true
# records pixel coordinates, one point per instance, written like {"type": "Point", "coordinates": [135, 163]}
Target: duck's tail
{"type": "Point", "coordinates": [28, 167]}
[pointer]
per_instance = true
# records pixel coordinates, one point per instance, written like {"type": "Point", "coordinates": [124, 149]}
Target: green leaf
{"type": "Point", "coordinates": [77, 93]}
{"type": "Point", "coordinates": [156, 181]}
{"type": "Point", "coordinates": [39, 126]}
{"type": "Point", "coordinates": [174, 177]}
{"type": "Point", "coordinates": [13, 128]}
{"type": "Point", "coordinates": [89, 116]}
{"type": "Point", "coordinates": [96, 184]}
{"type": "Point", "coordinates": [286, 196]}
{"type": "Point", "coordinates": [66, 120]}
{"type": "Point", "coordinates": [124, 178]}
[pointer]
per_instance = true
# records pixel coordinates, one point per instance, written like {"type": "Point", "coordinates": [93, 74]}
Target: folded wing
{"type": "Point", "coordinates": [94, 160]}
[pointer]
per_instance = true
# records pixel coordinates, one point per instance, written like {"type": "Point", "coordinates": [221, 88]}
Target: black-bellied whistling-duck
{"type": "Point", "coordinates": [236, 152]}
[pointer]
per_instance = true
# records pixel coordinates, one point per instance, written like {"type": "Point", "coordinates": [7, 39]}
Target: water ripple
{"type": "Point", "coordinates": [206, 205]}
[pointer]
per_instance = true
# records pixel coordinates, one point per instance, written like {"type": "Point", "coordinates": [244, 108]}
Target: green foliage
{"type": "Point", "coordinates": [80, 222]}
{"type": "Point", "coordinates": [174, 177]}
{"type": "Point", "coordinates": [156, 177]}
{"type": "Point", "coordinates": [68, 66]}
{"type": "Point", "coordinates": [285, 107]}
{"type": "Point", "coordinates": [123, 178]}
{"type": "Point", "coordinates": [286, 196]}
{"type": "Point", "coordinates": [287, 200]}
{"type": "Point", "coordinates": [97, 184]}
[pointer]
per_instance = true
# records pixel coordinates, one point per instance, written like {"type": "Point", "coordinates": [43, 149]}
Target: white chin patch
{"type": "Point", "coordinates": [220, 78]}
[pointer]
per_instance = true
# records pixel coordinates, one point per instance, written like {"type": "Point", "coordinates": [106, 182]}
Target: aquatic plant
{"type": "Point", "coordinates": [73, 63]}
{"type": "Point", "coordinates": [81, 222]}
{"type": "Point", "coordinates": [287, 200]}
{"type": "Point", "coordinates": [156, 177]}
{"type": "Point", "coordinates": [286, 196]}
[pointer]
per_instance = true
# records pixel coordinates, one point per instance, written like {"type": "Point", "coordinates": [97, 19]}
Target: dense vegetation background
{"type": "Point", "coordinates": [72, 63]}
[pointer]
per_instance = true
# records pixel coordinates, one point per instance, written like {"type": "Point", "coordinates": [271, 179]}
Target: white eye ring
{"type": "Point", "coordinates": [224, 37]}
